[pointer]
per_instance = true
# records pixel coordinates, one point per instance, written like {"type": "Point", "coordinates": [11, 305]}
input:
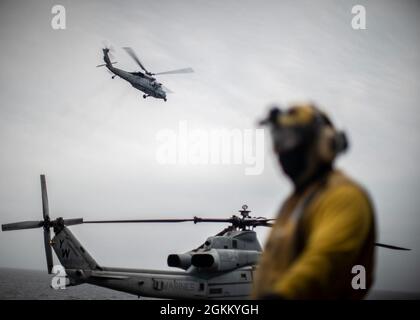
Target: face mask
{"type": "Point", "coordinates": [295, 135]}
{"type": "Point", "coordinates": [294, 162]}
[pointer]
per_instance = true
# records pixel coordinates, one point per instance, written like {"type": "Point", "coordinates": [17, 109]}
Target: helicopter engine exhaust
{"type": "Point", "coordinates": [224, 259]}
{"type": "Point", "coordinates": [182, 260]}
{"type": "Point", "coordinates": [203, 260]}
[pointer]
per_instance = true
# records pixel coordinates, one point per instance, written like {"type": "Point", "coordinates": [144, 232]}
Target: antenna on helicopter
{"type": "Point", "coordinates": [244, 212]}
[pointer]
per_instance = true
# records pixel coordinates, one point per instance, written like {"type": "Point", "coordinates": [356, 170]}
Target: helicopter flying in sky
{"type": "Point", "coordinates": [221, 268]}
{"type": "Point", "coordinates": [143, 81]}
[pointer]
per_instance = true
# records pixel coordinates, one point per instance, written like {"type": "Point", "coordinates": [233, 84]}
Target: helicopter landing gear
{"type": "Point", "coordinates": [145, 96]}
{"type": "Point", "coordinates": [164, 99]}
{"type": "Point", "coordinates": [113, 77]}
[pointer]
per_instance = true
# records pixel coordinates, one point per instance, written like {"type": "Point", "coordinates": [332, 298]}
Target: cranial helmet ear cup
{"type": "Point", "coordinates": [340, 142]}
{"type": "Point", "coordinates": [331, 143]}
{"type": "Point", "coordinates": [325, 144]}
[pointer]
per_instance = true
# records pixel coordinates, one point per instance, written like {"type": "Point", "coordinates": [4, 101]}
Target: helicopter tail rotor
{"type": "Point", "coordinates": [108, 51]}
{"type": "Point", "coordinates": [107, 56]}
{"type": "Point", "coordinates": [22, 225]}
{"type": "Point", "coordinates": [46, 224]}
{"type": "Point", "coordinates": [107, 46]}
{"type": "Point", "coordinates": [46, 216]}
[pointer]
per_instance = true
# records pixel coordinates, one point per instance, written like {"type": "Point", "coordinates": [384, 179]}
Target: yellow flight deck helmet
{"type": "Point", "coordinates": [304, 139]}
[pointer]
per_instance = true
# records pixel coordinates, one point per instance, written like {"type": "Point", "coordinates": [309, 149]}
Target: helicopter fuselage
{"type": "Point", "coordinates": [140, 81]}
{"type": "Point", "coordinates": [143, 81]}
{"type": "Point", "coordinates": [233, 281]}
{"type": "Point", "coordinates": [235, 284]}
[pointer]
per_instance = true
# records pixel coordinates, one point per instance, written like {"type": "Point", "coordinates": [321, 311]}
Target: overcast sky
{"type": "Point", "coordinates": [95, 138]}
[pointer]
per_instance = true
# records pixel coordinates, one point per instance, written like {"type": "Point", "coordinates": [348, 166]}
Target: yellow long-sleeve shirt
{"type": "Point", "coordinates": [312, 256]}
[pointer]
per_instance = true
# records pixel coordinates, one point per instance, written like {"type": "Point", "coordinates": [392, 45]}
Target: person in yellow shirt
{"type": "Point", "coordinates": [326, 226]}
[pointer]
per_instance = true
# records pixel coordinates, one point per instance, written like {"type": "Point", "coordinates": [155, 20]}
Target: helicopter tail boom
{"type": "Point", "coordinates": [71, 253]}
{"type": "Point", "coordinates": [107, 60]}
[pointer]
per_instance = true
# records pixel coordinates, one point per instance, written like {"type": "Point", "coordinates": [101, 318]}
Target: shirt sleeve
{"type": "Point", "coordinates": [338, 231]}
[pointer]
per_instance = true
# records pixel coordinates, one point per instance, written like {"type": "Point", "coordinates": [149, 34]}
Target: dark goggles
{"type": "Point", "coordinates": [287, 138]}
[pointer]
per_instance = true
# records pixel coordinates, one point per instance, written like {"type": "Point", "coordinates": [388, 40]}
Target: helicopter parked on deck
{"type": "Point", "coordinates": [222, 267]}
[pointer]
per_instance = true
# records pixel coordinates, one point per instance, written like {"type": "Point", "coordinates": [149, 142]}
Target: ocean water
{"type": "Point", "coordinates": [20, 284]}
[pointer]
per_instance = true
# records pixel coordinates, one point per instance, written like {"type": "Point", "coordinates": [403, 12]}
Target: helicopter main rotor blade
{"type": "Point", "coordinates": [133, 55]}
{"type": "Point", "coordinates": [388, 246]}
{"type": "Point", "coordinates": [184, 70]}
{"type": "Point", "coordinates": [250, 221]}
{"type": "Point", "coordinates": [266, 224]}
{"type": "Point", "coordinates": [72, 222]}
{"type": "Point", "coordinates": [197, 220]}
{"type": "Point", "coordinates": [140, 221]}
{"type": "Point", "coordinates": [383, 245]}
